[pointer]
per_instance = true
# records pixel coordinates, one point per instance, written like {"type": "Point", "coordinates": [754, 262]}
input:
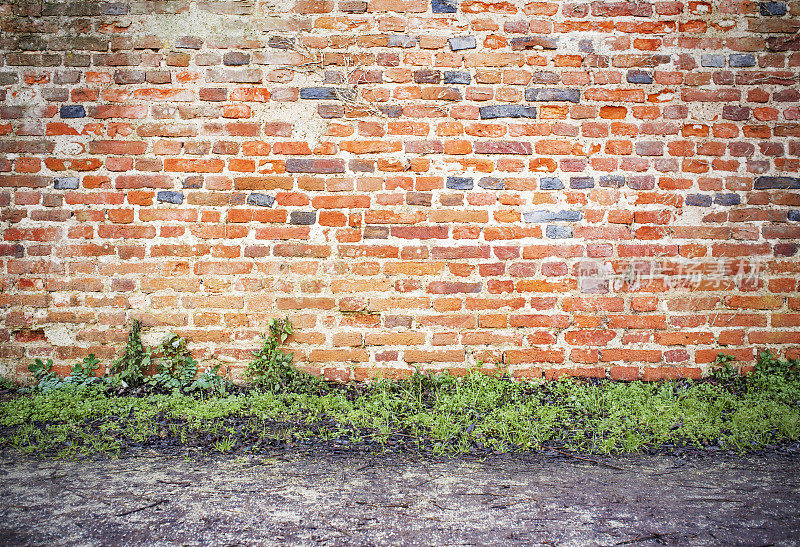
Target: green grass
{"type": "Point", "coordinates": [439, 414]}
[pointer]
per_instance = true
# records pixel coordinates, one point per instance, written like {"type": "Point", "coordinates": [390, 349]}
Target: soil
{"type": "Point", "coordinates": [338, 498]}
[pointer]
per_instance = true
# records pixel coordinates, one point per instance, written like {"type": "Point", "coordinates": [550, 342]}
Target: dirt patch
{"type": "Point", "coordinates": [352, 498]}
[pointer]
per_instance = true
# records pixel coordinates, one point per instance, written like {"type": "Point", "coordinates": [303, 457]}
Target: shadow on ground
{"type": "Point", "coordinates": [298, 498]}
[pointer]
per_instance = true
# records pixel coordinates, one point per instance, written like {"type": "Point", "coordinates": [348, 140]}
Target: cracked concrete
{"type": "Point", "coordinates": [350, 498]}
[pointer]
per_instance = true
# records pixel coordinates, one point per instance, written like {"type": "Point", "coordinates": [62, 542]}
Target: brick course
{"type": "Point", "coordinates": [594, 189]}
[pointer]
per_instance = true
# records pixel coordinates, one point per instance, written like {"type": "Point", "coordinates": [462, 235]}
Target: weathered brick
{"type": "Point", "coordinates": [459, 183]}
{"type": "Point", "coordinates": [737, 60]}
{"type": "Point", "coordinates": [167, 196]}
{"type": "Point", "coordinates": [507, 111]}
{"type": "Point", "coordinates": [550, 183]}
{"type": "Point", "coordinates": [550, 216]}
{"type": "Point", "coordinates": [454, 77]}
{"type": "Point", "coordinates": [323, 166]}
{"type": "Point", "coordinates": [534, 42]}
{"type": "Point", "coordinates": [66, 183]}
{"type": "Point", "coordinates": [458, 43]}
{"type": "Point", "coordinates": [444, 6]}
{"type": "Point", "coordinates": [778, 183]}
{"type": "Point", "coordinates": [550, 94]}
{"type": "Point", "coordinates": [73, 111]}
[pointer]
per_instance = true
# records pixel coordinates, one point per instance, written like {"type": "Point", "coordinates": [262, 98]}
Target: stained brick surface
{"type": "Point", "coordinates": [597, 189]}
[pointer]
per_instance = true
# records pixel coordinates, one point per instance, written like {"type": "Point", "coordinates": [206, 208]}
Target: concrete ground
{"type": "Point", "coordinates": [358, 499]}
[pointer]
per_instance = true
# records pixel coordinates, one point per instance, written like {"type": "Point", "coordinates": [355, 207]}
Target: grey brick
{"type": "Point", "coordinates": [550, 183]}
{"type": "Point", "coordinates": [125, 77]}
{"type": "Point", "coordinates": [391, 111]}
{"type": "Point", "coordinates": [492, 183]}
{"type": "Point", "coordinates": [457, 43]}
{"type": "Point", "coordinates": [712, 60]}
{"type": "Point", "coordinates": [768, 9]}
{"type": "Point", "coordinates": [698, 200]}
{"type": "Point", "coordinates": [66, 183]}
{"type": "Point", "coordinates": [73, 111]}
{"type": "Point", "coordinates": [459, 183]}
{"type": "Point", "coordinates": [318, 93]}
{"type": "Point", "coordinates": [742, 60]}
{"type": "Point", "coordinates": [280, 42]}
{"type": "Point", "coordinates": [793, 215]}
{"type": "Point", "coordinates": [777, 183]}
{"type": "Point", "coordinates": [304, 218]}
{"type": "Point", "coordinates": [580, 183]}
{"type": "Point", "coordinates": [403, 40]}
{"type": "Point", "coordinates": [639, 77]}
{"type": "Point", "coordinates": [444, 6]}
{"type": "Point", "coordinates": [558, 232]}
{"type": "Point", "coordinates": [10, 78]}
{"type": "Point", "coordinates": [116, 8]}
{"type": "Point", "coordinates": [507, 111]}
{"type": "Point", "coordinates": [260, 200]}
{"type": "Point", "coordinates": [55, 94]}
{"type": "Point", "coordinates": [457, 77]}
{"type": "Point", "coordinates": [612, 181]}
{"type": "Point", "coordinates": [325, 93]}
{"type": "Point", "coordinates": [727, 199]}
{"type": "Point", "coordinates": [550, 94]}
{"type": "Point", "coordinates": [545, 77]}
{"type": "Point", "coordinates": [552, 216]}
{"type": "Point", "coordinates": [169, 196]}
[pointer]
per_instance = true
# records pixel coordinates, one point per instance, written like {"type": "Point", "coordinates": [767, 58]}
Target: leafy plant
{"type": "Point", "coordinates": [272, 369]}
{"type": "Point", "coordinates": [724, 371]}
{"type": "Point", "coordinates": [131, 365]}
{"type": "Point", "coordinates": [83, 372]}
{"type": "Point", "coordinates": [45, 380]}
{"type": "Point", "coordinates": [5, 383]}
{"type": "Point", "coordinates": [177, 368]}
{"type": "Point", "coordinates": [210, 381]}
{"type": "Point", "coordinates": [769, 365]}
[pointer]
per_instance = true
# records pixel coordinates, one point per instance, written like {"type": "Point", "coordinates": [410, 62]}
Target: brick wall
{"type": "Point", "coordinates": [603, 188]}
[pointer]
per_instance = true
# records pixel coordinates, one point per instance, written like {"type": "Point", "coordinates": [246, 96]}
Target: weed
{"type": "Point", "coordinates": [724, 371]}
{"type": "Point", "coordinates": [769, 365]}
{"type": "Point", "coordinates": [272, 369]}
{"type": "Point", "coordinates": [45, 380]}
{"type": "Point", "coordinates": [6, 383]}
{"type": "Point", "coordinates": [224, 445]}
{"type": "Point", "coordinates": [210, 381]}
{"type": "Point", "coordinates": [131, 365]}
{"type": "Point", "coordinates": [437, 413]}
{"type": "Point", "coordinates": [83, 373]}
{"type": "Point", "coordinates": [177, 368]}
